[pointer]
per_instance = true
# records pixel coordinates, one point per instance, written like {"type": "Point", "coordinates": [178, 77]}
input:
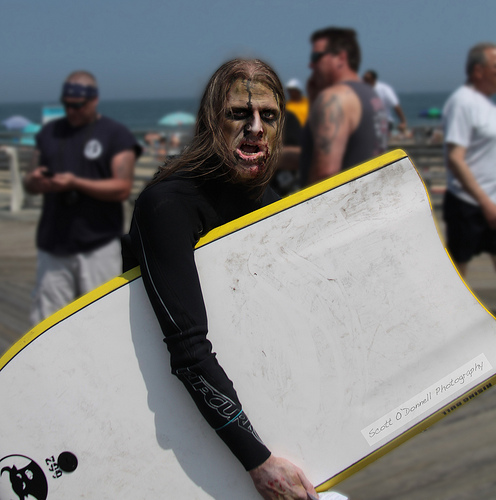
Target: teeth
{"type": "Point", "coordinates": [251, 152]}
{"type": "Point", "coordinates": [250, 149]}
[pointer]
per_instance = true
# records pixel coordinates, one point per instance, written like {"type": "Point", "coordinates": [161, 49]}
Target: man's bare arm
{"type": "Point", "coordinates": [330, 129]}
{"type": "Point", "coordinates": [401, 116]}
{"type": "Point", "coordinates": [116, 188]}
{"type": "Point", "coordinates": [460, 169]}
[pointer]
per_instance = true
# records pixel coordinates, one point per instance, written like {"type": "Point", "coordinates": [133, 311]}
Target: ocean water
{"type": "Point", "coordinates": [144, 114]}
{"type": "Point", "coordinates": [136, 114]}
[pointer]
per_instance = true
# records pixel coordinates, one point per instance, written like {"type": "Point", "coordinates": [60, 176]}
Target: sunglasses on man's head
{"type": "Point", "coordinates": [317, 56]}
{"type": "Point", "coordinates": [74, 105]}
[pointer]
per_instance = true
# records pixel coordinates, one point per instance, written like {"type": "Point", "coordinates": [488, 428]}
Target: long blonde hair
{"type": "Point", "coordinates": [208, 152]}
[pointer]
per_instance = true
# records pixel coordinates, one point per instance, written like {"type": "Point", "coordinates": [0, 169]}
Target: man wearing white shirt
{"type": "Point", "coordinates": [388, 97]}
{"type": "Point", "coordinates": [469, 118]}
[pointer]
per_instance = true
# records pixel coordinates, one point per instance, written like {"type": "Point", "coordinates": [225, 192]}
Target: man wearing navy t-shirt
{"type": "Point", "coordinates": [85, 172]}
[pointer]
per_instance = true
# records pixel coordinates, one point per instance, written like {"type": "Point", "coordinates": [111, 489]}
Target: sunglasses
{"type": "Point", "coordinates": [75, 105]}
{"type": "Point", "coordinates": [317, 56]}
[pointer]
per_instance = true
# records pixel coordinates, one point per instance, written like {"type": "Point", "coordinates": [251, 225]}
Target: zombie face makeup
{"type": "Point", "coordinates": [250, 126]}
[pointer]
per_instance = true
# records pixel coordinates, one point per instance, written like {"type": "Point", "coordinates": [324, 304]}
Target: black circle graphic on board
{"type": "Point", "coordinates": [23, 477]}
{"type": "Point", "coordinates": [67, 461]}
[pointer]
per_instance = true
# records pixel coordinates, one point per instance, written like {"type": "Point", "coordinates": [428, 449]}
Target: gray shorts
{"type": "Point", "coordinates": [60, 280]}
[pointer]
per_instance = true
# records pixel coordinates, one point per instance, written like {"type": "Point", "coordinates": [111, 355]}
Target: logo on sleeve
{"type": "Point", "coordinates": [93, 149]}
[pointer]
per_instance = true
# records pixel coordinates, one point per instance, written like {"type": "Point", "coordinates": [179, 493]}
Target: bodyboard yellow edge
{"type": "Point", "coordinates": [215, 234]}
{"type": "Point", "coordinates": [236, 225]}
{"type": "Point", "coordinates": [411, 432]}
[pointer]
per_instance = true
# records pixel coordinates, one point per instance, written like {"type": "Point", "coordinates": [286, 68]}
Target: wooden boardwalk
{"type": "Point", "coordinates": [17, 271]}
{"type": "Point", "coordinates": [453, 460]}
{"type": "Point", "coordinates": [18, 258]}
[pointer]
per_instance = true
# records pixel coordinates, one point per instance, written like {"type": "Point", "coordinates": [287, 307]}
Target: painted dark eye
{"type": "Point", "coordinates": [269, 115]}
{"type": "Point", "coordinates": [237, 114]}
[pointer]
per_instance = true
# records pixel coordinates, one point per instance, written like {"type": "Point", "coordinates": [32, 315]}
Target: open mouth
{"type": "Point", "coordinates": [251, 152]}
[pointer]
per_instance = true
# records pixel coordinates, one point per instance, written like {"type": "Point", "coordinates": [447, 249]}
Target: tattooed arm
{"type": "Point", "coordinates": [116, 188]}
{"type": "Point", "coordinates": [333, 118]}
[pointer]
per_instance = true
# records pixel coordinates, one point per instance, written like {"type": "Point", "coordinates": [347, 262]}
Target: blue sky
{"type": "Point", "coordinates": [169, 48]}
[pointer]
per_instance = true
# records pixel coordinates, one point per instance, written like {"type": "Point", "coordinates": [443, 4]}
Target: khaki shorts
{"type": "Point", "coordinates": [61, 279]}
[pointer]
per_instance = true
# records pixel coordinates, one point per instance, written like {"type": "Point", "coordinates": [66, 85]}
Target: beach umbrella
{"type": "Point", "coordinates": [51, 112]}
{"type": "Point", "coordinates": [431, 113]}
{"type": "Point", "coordinates": [16, 122]}
{"type": "Point", "coordinates": [28, 133]}
{"type": "Point", "coordinates": [177, 119]}
{"type": "Point", "coordinates": [31, 128]}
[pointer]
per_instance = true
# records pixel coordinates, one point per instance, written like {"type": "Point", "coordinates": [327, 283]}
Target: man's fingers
{"type": "Point", "coordinates": [311, 493]}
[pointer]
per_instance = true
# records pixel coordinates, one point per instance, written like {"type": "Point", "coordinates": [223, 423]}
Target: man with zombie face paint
{"type": "Point", "coordinates": [222, 175]}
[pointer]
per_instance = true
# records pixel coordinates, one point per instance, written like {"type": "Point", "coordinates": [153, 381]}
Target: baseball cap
{"type": "Point", "coordinates": [294, 83]}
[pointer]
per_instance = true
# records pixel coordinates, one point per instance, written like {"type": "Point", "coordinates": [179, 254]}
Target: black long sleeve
{"type": "Point", "coordinates": [168, 221]}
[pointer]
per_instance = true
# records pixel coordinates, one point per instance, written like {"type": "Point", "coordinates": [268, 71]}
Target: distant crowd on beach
{"type": "Point", "coordinates": [161, 145]}
{"type": "Point", "coordinates": [337, 119]}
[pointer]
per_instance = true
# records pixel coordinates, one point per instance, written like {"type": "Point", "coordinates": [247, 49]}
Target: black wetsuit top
{"type": "Point", "coordinates": [169, 218]}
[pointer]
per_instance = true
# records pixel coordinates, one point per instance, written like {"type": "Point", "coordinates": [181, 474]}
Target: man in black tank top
{"type": "Point", "coordinates": [348, 122]}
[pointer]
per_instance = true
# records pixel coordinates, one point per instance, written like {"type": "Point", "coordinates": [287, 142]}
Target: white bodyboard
{"type": "Point", "coordinates": [336, 312]}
